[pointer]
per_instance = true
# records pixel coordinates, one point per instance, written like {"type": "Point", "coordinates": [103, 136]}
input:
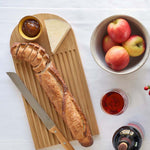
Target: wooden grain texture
{"type": "Point", "coordinates": [64, 142]}
{"type": "Point", "coordinates": [68, 63]}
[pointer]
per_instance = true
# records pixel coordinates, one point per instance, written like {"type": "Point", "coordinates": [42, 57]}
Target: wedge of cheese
{"type": "Point", "coordinates": [56, 30]}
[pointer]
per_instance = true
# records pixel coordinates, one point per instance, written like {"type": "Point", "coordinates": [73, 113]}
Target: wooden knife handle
{"type": "Point", "coordinates": [61, 138]}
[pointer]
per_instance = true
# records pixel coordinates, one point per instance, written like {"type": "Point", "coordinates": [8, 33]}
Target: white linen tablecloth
{"type": "Point", "coordinates": [14, 128]}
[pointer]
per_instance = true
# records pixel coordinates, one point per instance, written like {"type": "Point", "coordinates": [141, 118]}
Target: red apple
{"type": "Point", "coordinates": [135, 45]}
{"type": "Point", "coordinates": [119, 30]}
{"type": "Point", "coordinates": [108, 43]}
{"type": "Point", "coordinates": [117, 58]}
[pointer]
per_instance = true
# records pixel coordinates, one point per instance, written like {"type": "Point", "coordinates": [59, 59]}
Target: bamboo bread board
{"type": "Point", "coordinates": [68, 62]}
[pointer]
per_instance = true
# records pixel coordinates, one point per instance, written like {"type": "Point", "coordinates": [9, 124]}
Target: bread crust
{"type": "Point", "coordinates": [14, 49]}
{"type": "Point", "coordinates": [21, 49]}
{"type": "Point", "coordinates": [33, 53]}
{"type": "Point", "coordinates": [57, 91]}
{"type": "Point", "coordinates": [27, 52]}
{"type": "Point", "coordinates": [38, 58]}
{"type": "Point", "coordinates": [42, 65]}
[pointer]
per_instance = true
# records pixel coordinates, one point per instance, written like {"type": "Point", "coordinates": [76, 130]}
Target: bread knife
{"type": "Point", "coordinates": [39, 110]}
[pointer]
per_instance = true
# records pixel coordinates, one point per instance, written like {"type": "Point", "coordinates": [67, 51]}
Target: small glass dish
{"type": "Point", "coordinates": [114, 102]}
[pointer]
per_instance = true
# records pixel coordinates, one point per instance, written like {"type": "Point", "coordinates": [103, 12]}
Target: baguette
{"type": "Point", "coordinates": [56, 89]}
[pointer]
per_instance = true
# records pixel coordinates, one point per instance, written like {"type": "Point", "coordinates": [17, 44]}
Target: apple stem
{"type": "Point", "coordinates": [115, 21]}
{"type": "Point", "coordinates": [138, 44]}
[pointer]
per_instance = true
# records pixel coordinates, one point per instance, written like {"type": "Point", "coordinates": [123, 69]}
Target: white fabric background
{"type": "Point", "coordinates": [83, 16]}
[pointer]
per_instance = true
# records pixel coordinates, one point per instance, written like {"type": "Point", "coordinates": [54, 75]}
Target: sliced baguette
{"type": "Point", "coordinates": [59, 95]}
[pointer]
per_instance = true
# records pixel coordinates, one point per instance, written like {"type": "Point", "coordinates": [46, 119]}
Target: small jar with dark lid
{"type": "Point", "coordinates": [30, 28]}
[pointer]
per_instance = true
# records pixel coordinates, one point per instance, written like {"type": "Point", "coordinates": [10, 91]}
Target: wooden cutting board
{"type": "Point", "coordinates": [68, 63]}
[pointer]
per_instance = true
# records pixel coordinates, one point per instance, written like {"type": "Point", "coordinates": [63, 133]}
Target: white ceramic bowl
{"type": "Point", "coordinates": [99, 55]}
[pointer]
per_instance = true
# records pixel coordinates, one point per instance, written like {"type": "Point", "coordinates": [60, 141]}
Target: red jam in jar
{"type": "Point", "coordinates": [31, 27]}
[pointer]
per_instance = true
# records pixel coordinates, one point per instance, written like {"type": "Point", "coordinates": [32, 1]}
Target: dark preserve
{"type": "Point", "coordinates": [127, 138]}
{"type": "Point", "coordinates": [31, 27]}
{"type": "Point", "coordinates": [113, 102]}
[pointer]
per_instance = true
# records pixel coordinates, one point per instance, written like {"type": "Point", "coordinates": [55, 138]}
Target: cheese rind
{"type": "Point", "coordinates": [57, 31]}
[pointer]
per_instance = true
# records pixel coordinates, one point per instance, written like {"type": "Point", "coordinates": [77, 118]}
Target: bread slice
{"type": "Point", "coordinates": [43, 64]}
{"type": "Point", "coordinates": [37, 60]}
{"type": "Point", "coordinates": [56, 31]}
{"type": "Point", "coordinates": [21, 49]}
{"type": "Point", "coordinates": [14, 49]}
{"type": "Point", "coordinates": [27, 51]}
{"type": "Point", "coordinates": [33, 54]}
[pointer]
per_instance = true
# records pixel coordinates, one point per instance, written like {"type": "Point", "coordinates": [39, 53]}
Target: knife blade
{"type": "Point", "coordinates": [50, 125]}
